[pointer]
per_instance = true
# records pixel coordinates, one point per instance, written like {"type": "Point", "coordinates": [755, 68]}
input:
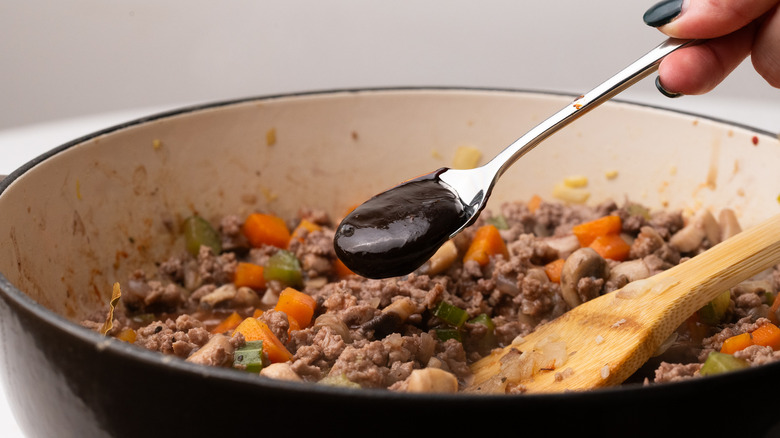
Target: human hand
{"type": "Point", "coordinates": [733, 29]}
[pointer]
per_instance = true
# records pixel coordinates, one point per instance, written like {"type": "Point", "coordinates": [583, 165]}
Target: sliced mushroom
{"type": "Point", "coordinates": [280, 371]}
{"type": "Point", "coordinates": [335, 323]}
{"type": "Point", "coordinates": [632, 270]}
{"type": "Point", "coordinates": [729, 225]}
{"type": "Point", "coordinates": [691, 236]}
{"type": "Point", "coordinates": [432, 380]}
{"type": "Point", "coordinates": [711, 227]}
{"type": "Point", "coordinates": [218, 295]}
{"type": "Point", "coordinates": [402, 307]}
{"type": "Point", "coordinates": [246, 297]}
{"type": "Point", "coordinates": [392, 317]}
{"type": "Point", "coordinates": [218, 351]}
{"type": "Point", "coordinates": [582, 263]}
{"type": "Point", "coordinates": [565, 245]}
{"type": "Point", "coordinates": [441, 260]}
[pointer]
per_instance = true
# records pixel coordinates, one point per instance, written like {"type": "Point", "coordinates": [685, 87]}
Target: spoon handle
{"type": "Point", "coordinates": [638, 70]}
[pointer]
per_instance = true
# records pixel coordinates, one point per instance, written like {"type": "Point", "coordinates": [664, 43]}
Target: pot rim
{"type": "Point", "coordinates": [113, 346]}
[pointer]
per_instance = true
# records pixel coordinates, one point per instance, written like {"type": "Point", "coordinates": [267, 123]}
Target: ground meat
{"type": "Point", "coordinates": [232, 237]}
{"type": "Point", "coordinates": [647, 242]}
{"type": "Point", "coordinates": [316, 351]}
{"type": "Point", "coordinates": [144, 295]}
{"type": "Point", "coordinates": [277, 322]}
{"type": "Point", "coordinates": [315, 251]}
{"type": "Point", "coordinates": [375, 332]}
{"type": "Point", "coordinates": [666, 223]}
{"type": "Point", "coordinates": [392, 359]}
{"type": "Point", "coordinates": [174, 268]}
{"type": "Point", "coordinates": [588, 287]}
{"type": "Point", "coordinates": [668, 372]}
{"type": "Point", "coordinates": [216, 268]}
{"type": "Point", "coordinates": [557, 219]}
{"type": "Point", "coordinates": [315, 216]}
{"type": "Point", "coordinates": [178, 337]}
{"type": "Point", "coordinates": [540, 298]}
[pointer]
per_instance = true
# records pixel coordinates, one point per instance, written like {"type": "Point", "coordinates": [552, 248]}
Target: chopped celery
{"type": "Point", "coordinates": [197, 232]}
{"type": "Point", "coordinates": [340, 380]}
{"type": "Point", "coordinates": [249, 357]}
{"type": "Point", "coordinates": [285, 268]}
{"type": "Point", "coordinates": [485, 320]}
{"type": "Point", "coordinates": [452, 315]}
{"type": "Point", "coordinates": [717, 363]}
{"type": "Point", "coordinates": [489, 341]}
{"type": "Point", "coordinates": [638, 210]}
{"type": "Point", "coordinates": [448, 333]}
{"type": "Point", "coordinates": [498, 222]}
{"type": "Point", "coordinates": [714, 311]}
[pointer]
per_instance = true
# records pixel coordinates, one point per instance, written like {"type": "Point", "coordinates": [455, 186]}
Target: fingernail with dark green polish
{"type": "Point", "coordinates": [664, 91]}
{"type": "Point", "coordinates": [663, 12]}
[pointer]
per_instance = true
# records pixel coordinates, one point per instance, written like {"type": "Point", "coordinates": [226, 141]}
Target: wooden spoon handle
{"type": "Point", "coordinates": [674, 295]}
{"type": "Point", "coordinates": [700, 279]}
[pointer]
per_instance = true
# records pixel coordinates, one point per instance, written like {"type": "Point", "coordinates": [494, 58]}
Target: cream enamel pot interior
{"type": "Point", "coordinates": [82, 216]}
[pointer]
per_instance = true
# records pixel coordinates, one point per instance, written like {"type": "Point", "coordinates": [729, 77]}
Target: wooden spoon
{"type": "Point", "coordinates": [604, 341]}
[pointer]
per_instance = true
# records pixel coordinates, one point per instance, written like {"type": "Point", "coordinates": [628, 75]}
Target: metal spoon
{"type": "Point", "coordinates": [473, 186]}
{"type": "Point", "coordinates": [385, 237]}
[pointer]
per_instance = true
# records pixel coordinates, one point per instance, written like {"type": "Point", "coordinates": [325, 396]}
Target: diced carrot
{"type": "Point", "coordinates": [534, 203]}
{"type": "Point", "coordinates": [588, 232]}
{"type": "Point", "coordinates": [229, 323]}
{"type": "Point", "coordinates": [249, 275]}
{"type": "Point", "coordinates": [487, 242]}
{"type": "Point", "coordinates": [298, 306]}
{"type": "Point", "coordinates": [127, 334]}
{"type": "Point", "coordinates": [611, 246]}
{"type": "Point", "coordinates": [773, 310]}
{"type": "Point", "coordinates": [341, 269]}
{"type": "Point", "coordinates": [768, 335]}
{"type": "Point", "coordinates": [255, 330]}
{"type": "Point", "coordinates": [304, 226]}
{"type": "Point", "coordinates": [553, 270]}
{"type": "Point", "coordinates": [266, 229]}
{"type": "Point", "coordinates": [736, 343]}
{"type": "Point", "coordinates": [257, 313]}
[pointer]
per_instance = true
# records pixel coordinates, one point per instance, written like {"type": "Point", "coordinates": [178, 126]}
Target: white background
{"type": "Point", "coordinates": [70, 67]}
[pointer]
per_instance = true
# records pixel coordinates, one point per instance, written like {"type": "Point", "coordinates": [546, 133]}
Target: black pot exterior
{"type": "Point", "coordinates": [63, 380]}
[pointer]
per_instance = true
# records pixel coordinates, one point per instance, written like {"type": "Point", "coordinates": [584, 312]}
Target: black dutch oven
{"type": "Point", "coordinates": [82, 216]}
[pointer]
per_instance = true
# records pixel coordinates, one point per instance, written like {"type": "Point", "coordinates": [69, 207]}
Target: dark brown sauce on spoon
{"type": "Point", "coordinates": [396, 231]}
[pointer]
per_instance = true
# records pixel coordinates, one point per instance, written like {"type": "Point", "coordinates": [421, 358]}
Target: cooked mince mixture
{"type": "Point", "coordinates": [268, 296]}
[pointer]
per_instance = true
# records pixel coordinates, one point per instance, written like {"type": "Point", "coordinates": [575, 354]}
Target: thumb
{"type": "Point", "coordinates": [701, 19]}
